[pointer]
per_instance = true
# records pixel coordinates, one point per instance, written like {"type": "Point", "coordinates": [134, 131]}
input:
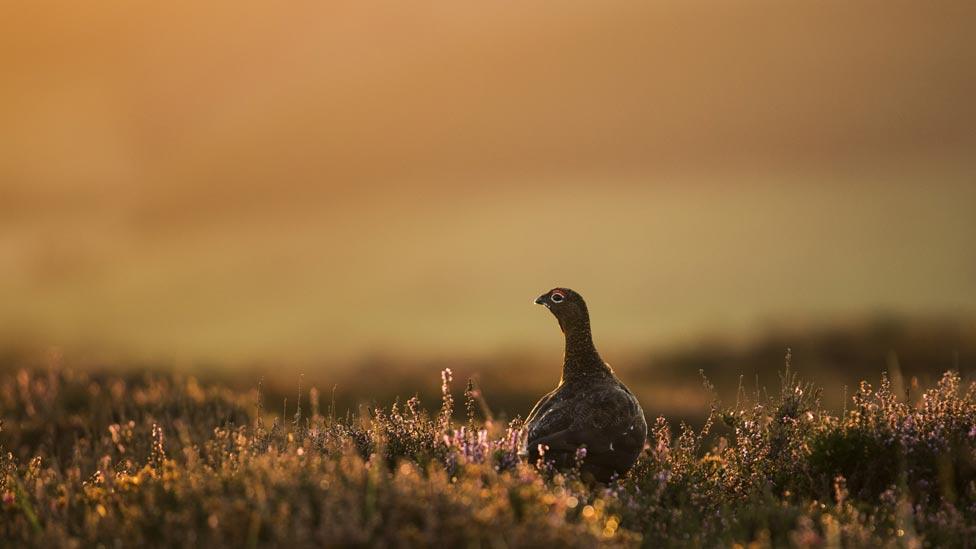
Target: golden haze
{"type": "Point", "coordinates": [237, 181]}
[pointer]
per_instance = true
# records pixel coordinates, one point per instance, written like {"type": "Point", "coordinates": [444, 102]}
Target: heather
{"type": "Point", "coordinates": [99, 459]}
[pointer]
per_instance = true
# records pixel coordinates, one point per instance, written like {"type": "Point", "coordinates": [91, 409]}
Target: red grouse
{"type": "Point", "coordinates": [589, 408]}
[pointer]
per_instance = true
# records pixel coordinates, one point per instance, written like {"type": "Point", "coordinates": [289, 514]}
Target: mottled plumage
{"type": "Point", "coordinates": [589, 408]}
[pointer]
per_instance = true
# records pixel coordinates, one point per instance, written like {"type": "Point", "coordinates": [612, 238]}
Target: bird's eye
{"type": "Point", "coordinates": [556, 298]}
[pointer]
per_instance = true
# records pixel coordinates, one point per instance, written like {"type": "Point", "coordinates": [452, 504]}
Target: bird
{"type": "Point", "coordinates": [589, 409]}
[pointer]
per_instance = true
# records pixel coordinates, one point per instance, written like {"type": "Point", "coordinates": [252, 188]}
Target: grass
{"type": "Point", "coordinates": [91, 459]}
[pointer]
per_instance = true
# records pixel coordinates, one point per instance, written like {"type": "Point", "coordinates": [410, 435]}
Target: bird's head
{"type": "Point", "coordinates": [566, 305]}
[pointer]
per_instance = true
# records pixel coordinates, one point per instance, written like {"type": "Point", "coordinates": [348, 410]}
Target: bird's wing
{"type": "Point", "coordinates": [569, 440]}
{"type": "Point", "coordinates": [599, 408]}
{"type": "Point", "coordinates": [539, 406]}
{"type": "Point", "coordinates": [607, 415]}
{"type": "Point", "coordinates": [593, 419]}
{"type": "Point", "coordinates": [532, 427]}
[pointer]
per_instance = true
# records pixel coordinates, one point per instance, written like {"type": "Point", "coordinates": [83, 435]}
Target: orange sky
{"type": "Point", "coordinates": [239, 180]}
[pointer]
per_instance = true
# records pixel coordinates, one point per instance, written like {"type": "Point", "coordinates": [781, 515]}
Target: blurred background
{"type": "Point", "coordinates": [366, 192]}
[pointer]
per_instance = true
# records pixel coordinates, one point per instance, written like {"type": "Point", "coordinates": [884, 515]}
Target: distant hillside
{"type": "Point", "coordinates": [667, 381]}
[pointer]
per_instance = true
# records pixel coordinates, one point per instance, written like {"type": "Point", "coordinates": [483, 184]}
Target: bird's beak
{"type": "Point", "coordinates": [541, 300]}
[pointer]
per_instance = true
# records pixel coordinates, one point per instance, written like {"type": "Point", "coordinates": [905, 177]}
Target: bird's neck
{"type": "Point", "coordinates": [581, 359]}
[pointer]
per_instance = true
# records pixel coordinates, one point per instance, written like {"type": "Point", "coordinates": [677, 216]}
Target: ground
{"type": "Point", "coordinates": [91, 459]}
